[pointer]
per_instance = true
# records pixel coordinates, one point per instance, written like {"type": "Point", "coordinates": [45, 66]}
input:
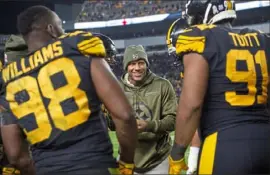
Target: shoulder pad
{"type": "Point", "coordinates": [190, 40]}
{"type": "Point", "coordinates": [203, 27]}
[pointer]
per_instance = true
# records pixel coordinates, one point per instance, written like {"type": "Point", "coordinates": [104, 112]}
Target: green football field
{"type": "Point", "coordinates": [115, 144]}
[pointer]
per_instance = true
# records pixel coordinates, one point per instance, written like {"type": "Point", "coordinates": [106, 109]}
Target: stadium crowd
{"type": "Point", "coordinates": [109, 10]}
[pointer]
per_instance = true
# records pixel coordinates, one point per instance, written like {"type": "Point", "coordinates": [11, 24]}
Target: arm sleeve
{"type": "Point", "coordinates": [86, 43]}
{"type": "Point", "coordinates": [168, 111]}
{"type": "Point", "coordinates": [198, 39]}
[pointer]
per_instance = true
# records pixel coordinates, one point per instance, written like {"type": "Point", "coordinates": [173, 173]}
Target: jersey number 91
{"type": "Point", "coordinates": [249, 77]}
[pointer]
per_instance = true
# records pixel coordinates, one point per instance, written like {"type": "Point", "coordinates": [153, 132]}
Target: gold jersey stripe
{"type": "Point", "coordinates": [190, 43]}
{"type": "Point", "coordinates": [208, 154]}
{"type": "Point", "coordinates": [85, 43]}
{"type": "Point", "coordinates": [95, 49]}
{"type": "Point", "coordinates": [90, 46]}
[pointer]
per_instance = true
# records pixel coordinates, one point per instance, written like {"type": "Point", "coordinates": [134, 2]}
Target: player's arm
{"type": "Point", "coordinates": [16, 148]}
{"type": "Point", "coordinates": [168, 111]}
{"type": "Point", "coordinates": [197, 47]}
{"type": "Point", "coordinates": [191, 101]}
{"type": "Point", "coordinates": [110, 93]}
{"type": "Point", "coordinates": [196, 141]}
{"type": "Point", "coordinates": [113, 97]}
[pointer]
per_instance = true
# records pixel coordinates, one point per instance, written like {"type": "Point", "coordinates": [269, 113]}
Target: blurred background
{"type": "Point", "coordinates": [129, 22]}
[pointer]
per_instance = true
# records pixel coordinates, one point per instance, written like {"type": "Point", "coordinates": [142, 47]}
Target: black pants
{"type": "Point", "coordinates": [243, 149]}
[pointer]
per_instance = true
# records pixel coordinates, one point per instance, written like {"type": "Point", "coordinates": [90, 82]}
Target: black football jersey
{"type": "Point", "coordinates": [50, 94]}
{"type": "Point", "coordinates": [238, 62]}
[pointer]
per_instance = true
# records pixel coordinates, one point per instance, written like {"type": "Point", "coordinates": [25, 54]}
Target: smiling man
{"type": "Point", "coordinates": [154, 101]}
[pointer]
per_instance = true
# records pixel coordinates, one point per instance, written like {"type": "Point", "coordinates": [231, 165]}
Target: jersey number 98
{"type": "Point", "coordinates": [35, 105]}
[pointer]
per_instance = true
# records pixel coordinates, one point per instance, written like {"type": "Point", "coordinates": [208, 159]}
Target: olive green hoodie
{"type": "Point", "coordinates": [15, 48]}
{"type": "Point", "coordinates": [155, 102]}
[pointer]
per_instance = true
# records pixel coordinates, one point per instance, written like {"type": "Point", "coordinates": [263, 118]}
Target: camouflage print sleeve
{"type": "Point", "coordinates": [108, 118]}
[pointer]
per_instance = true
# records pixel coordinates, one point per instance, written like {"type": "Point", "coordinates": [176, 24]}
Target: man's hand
{"type": "Point", "coordinates": [141, 124]}
{"type": "Point", "coordinates": [176, 166]}
{"type": "Point", "coordinates": [125, 168]}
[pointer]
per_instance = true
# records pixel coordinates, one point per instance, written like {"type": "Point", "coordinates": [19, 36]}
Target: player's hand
{"type": "Point", "coordinates": [126, 168]}
{"type": "Point", "coordinates": [10, 171]}
{"type": "Point", "coordinates": [176, 166]}
{"type": "Point", "coordinates": [141, 124]}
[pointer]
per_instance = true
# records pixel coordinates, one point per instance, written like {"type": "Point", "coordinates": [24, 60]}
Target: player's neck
{"type": "Point", "coordinates": [33, 46]}
{"type": "Point", "coordinates": [35, 41]}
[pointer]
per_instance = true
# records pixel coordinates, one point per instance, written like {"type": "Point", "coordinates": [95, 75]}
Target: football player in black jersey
{"type": "Point", "coordinates": [224, 92]}
{"type": "Point", "coordinates": [15, 48]}
{"type": "Point", "coordinates": [54, 96]}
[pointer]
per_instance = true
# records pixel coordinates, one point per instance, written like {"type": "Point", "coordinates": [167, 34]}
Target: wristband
{"type": "Point", "coordinates": [178, 151]}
